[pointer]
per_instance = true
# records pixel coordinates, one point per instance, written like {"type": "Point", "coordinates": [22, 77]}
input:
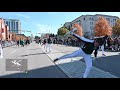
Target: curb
{"type": "Point", "coordinates": [56, 64]}
{"type": "Point", "coordinates": [103, 73]}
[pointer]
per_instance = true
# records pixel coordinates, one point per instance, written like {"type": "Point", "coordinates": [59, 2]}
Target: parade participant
{"type": "Point", "coordinates": [49, 41]}
{"type": "Point", "coordinates": [102, 41]}
{"type": "Point", "coordinates": [85, 51]}
{"type": "Point", "coordinates": [45, 44]}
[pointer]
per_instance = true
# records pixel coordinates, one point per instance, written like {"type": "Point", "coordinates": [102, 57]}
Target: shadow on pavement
{"type": "Point", "coordinates": [109, 64]}
{"type": "Point", "coordinates": [32, 54]}
{"type": "Point", "coordinates": [44, 72]}
{"type": "Point", "coordinates": [35, 49]}
{"type": "Point", "coordinates": [61, 52]}
{"type": "Point", "coordinates": [44, 53]}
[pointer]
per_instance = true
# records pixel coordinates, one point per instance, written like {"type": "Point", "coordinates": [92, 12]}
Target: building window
{"type": "Point", "coordinates": [91, 23]}
{"type": "Point", "coordinates": [114, 20]}
{"type": "Point", "coordinates": [91, 27]}
{"type": "Point", "coordinates": [17, 27]}
{"type": "Point", "coordinates": [9, 26]}
{"type": "Point", "coordinates": [7, 22]}
{"type": "Point", "coordinates": [12, 26]}
{"type": "Point", "coordinates": [108, 19]}
{"type": "Point", "coordinates": [92, 19]}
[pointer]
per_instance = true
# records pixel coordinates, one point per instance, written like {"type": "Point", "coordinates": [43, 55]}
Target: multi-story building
{"type": "Point", "coordinates": [4, 33]}
{"type": "Point", "coordinates": [88, 22]}
{"type": "Point", "coordinates": [68, 25]}
{"type": "Point", "coordinates": [14, 25]}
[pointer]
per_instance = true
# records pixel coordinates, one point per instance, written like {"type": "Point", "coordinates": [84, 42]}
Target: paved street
{"type": "Point", "coordinates": [36, 32]}
{"type": "Point", "coordinates": [39, 64]}
{"type": "Point", "coordinates": [103, 67]}
{"type": "Point", "coordinates": [110, 63]}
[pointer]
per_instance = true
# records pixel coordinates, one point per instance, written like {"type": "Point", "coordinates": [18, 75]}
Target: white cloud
{"type": "Point", "coordinates": [43, 28]}
{"type": "Point", "coordinates": [52, 13]}
{"type": "Point", "coordinates": [24, 16]}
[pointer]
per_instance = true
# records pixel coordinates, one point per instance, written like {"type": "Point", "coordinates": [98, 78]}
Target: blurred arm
{"type": "Point", "coordinates": [82, 38]}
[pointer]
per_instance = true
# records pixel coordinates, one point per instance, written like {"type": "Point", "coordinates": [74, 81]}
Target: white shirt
{"type": "Point", "coordinates": [1, 51]}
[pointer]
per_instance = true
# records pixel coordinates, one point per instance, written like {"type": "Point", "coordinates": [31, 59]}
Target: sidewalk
{"type": "Point", "coordinates": [73, 67]}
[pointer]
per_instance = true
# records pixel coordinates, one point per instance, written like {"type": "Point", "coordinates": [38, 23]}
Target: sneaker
{"type": "Point", "coordinates": [55, 60]}
{"type": "Point", "coordinates": [103, 54]}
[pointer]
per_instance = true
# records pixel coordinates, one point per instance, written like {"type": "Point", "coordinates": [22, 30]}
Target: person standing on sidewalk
{"type": "Point", "coordinates": [84, 51]}
{"type": "Point", "coordinates": [1, 51]}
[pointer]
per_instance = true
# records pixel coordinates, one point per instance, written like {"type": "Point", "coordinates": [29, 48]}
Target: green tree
{"type": "Point", "coordinates": [62, 31]}
{"type": "Point", "coordinates": [36, 37]}
{"type": "Point", "coordinates": [116, 28]}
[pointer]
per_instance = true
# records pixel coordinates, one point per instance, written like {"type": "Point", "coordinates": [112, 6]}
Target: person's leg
{"type": "Point", "coordinates": [102, 47]}
{"type": "Point", "coordinates": [95, 53]}
{"type": "Point", "coordinates": [46, 46]}
{"type": "Point", "coordinates": [74, 54]}
{"type": "Point", "coordinates": [49, 47]}
{"type": "Point", "coordinates": [88, 61]}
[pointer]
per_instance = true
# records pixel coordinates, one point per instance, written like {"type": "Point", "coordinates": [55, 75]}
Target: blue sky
{"type": "Point", "coordinates": [44, 22]}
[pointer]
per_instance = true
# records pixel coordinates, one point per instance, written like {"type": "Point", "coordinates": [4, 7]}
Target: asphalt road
{"type": "Point", "coordinates": [109, 64]}
{"type": "Point", "coordinates": [39, 64]}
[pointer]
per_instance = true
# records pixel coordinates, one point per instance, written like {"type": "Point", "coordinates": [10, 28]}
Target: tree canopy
{"type": "Point", "coordinates": [116, 28]}
{"type": "Point", "coordinates": [62, 31]}
{"type": "Point", "coordinates": [102, 27]}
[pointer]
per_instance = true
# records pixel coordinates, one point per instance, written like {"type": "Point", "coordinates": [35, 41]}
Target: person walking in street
{"type": "Point", "coordinates": [104, 45]}
{"type": "Point", "coordinates": [49, 41]}
{"type": "Point", "coordinates": [22, 43]}
{"type": "Point", "coordinates": [45, 44]}
{"type": "Point", "coordinates": [40, 41]}
{"type": "Point", "coordinates": [17, 42]}
{"type": "Point", "coordinates": [27, 42]}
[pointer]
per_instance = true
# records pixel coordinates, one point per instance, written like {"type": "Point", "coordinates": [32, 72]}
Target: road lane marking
{"type": "Point", "coordinates": [13, 51]}
{"type": "Point", "coordinates": [8, 55]}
